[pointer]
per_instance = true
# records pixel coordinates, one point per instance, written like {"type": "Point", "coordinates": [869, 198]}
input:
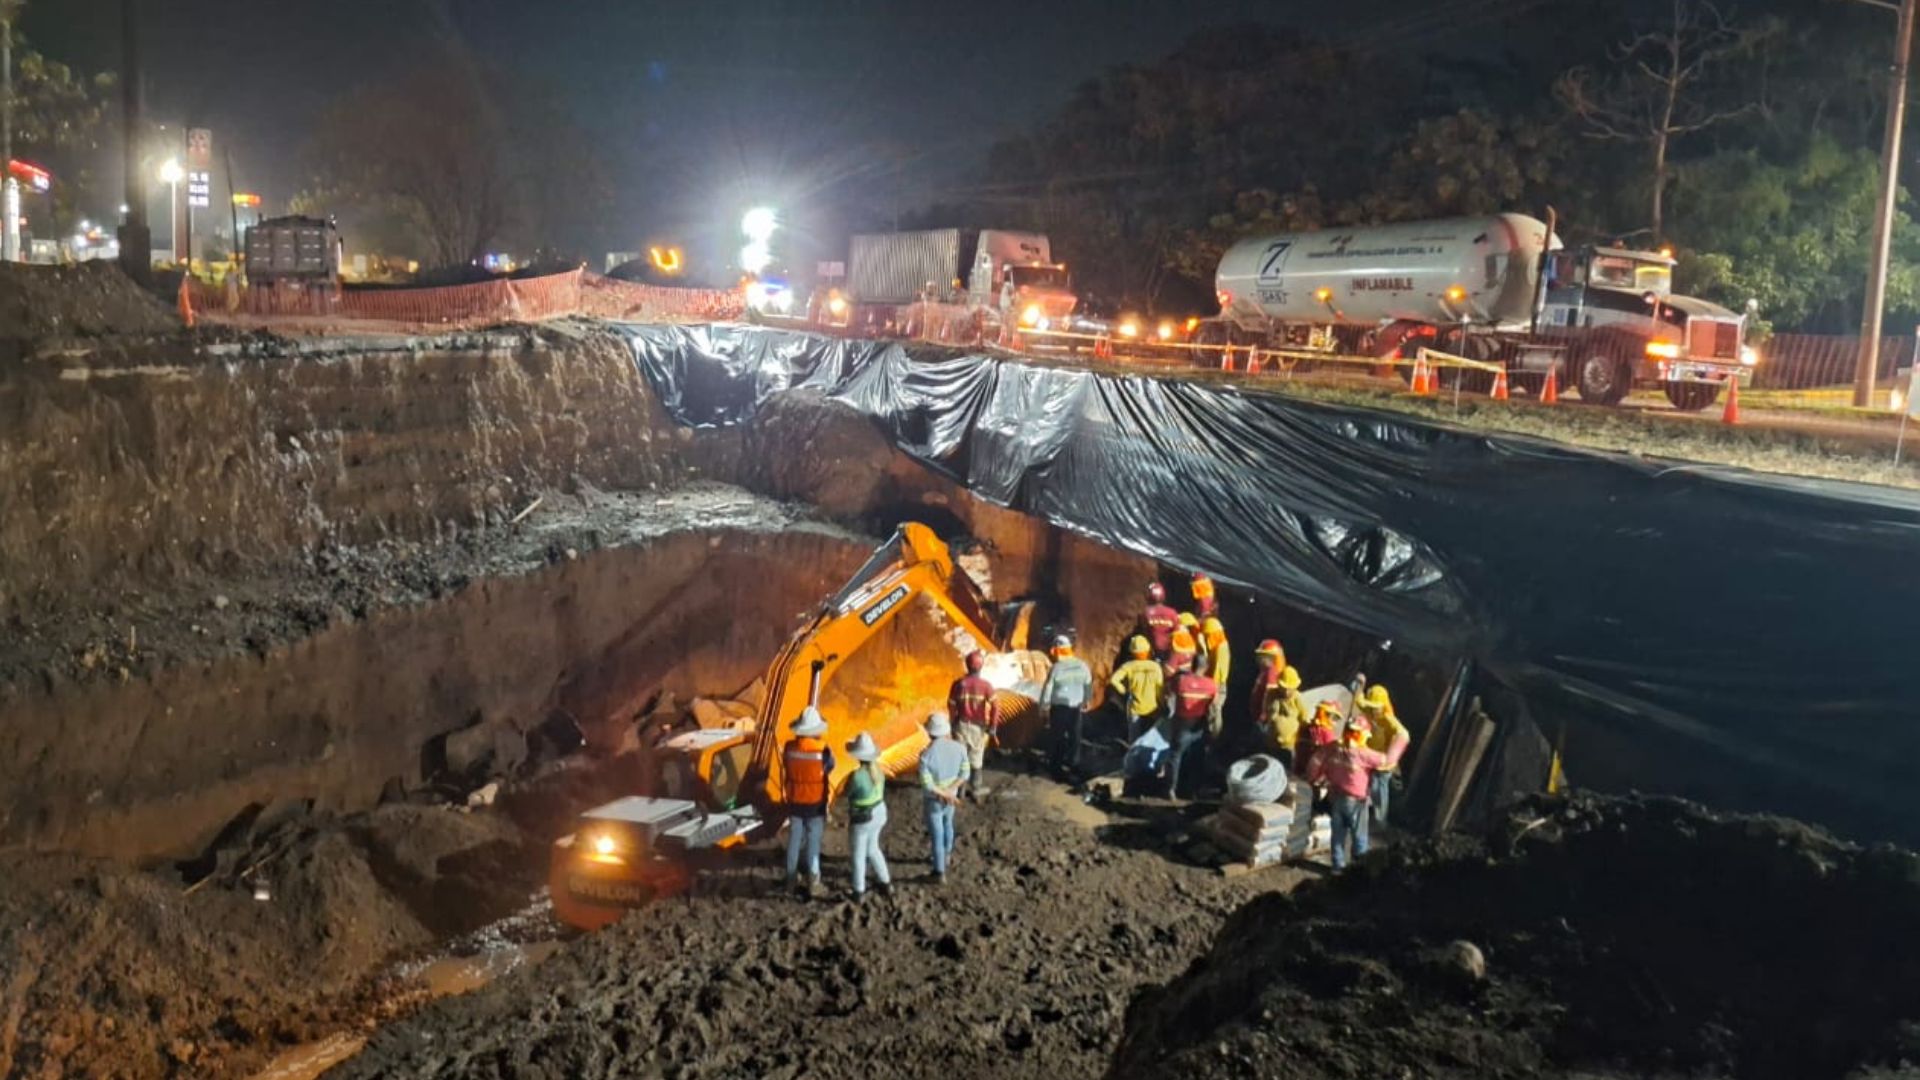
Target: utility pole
{"type": "Point", "coordinates": [1869, 364]}
{"type": "Point", "coordinates": [10, 198]}
{"type": "Point", "coordinates": [136, 240]}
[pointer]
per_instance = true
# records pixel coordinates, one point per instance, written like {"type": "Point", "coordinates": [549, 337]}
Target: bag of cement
{"type": "Point", "coordinates": [1258, 779]}
{"type": "Point", "coordinates": [1262, 816]}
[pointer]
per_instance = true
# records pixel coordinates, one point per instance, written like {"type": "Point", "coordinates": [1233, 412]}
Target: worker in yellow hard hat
{"type": "Point", "coordinates": [1140, 683]}
{"type": "Point", "coordinates": [1386, 736]}
{"type": "Point", "coordinates": [1219, 664]}
{"type": "Point", "coordinates": [1270, 661]}
{"type": "Point", "coordinates": [1285, 713]}
{"type": "Point", "coordinates": [1184, 647]}
{"type": "Point", "coordinates": [1345, 768]}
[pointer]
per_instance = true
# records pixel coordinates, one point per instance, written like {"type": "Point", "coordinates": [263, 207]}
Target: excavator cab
{"type": "Point", "coordinates": [721, 788]}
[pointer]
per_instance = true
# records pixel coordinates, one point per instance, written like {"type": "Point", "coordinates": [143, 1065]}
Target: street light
{"type": "Point", "coordinates": [171, 174]}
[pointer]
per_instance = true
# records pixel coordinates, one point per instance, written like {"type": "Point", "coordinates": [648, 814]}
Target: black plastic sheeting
{"type": "Point", "coordinates": [1743, 639]}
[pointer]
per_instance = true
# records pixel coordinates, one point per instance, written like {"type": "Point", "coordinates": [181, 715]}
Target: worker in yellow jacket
{"type": "Point", "coordinates": [1389, 737]}
{"type": "Point", "coordinates": [1140, 682]}
{"type": "Point", "coordinates": [1219, 663]}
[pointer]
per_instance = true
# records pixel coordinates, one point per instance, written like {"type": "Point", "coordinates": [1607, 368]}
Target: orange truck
{"type": "Point", "coordinates": [721, 788]}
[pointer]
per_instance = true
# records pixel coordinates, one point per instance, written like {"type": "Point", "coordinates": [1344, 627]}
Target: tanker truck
{"type": "Point", "coordinates": [1501, 289]}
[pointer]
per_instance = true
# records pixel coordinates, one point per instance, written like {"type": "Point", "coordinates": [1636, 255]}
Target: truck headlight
{"type": "Point", "coordinates": [837, 305]}
{"type": "Point", "coordinates": [1129, 329]}
{"type": "Point", "coordinates": [1748, 357]}
{"type": "Point", "coordinates": [1031, 315]}
{"type": "Point", "coordinates": [1664, 350]}
{"type": "Point", "coordinates": [1165, 330]}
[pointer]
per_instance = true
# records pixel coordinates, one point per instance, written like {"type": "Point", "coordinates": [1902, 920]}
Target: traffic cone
{"type": "Point", "coordinates": [1731, 414]}
{"type": "Point", "coordinates": [1500, 385]}
{"type": "Point", "coordinates": [186, 300]}
{"type": "Point", "coordinates": [1550, 393]}
{"type": "Point", "coordinates": [1253, 359]}
{"type": "Point", "coordinates": [1422, 376]}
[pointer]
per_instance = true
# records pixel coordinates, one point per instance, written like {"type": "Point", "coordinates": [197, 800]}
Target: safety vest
{"type": "Point", "coordinates": [862, 797]}
{"type": "Point", "coordinates": [1192, 694]}
{"type": "Point", "coordinates": [805, 765]}
{"type": "Point", "coordinates": [971, 700]}
{"type": "Point", "coordinates": [1158, 621]}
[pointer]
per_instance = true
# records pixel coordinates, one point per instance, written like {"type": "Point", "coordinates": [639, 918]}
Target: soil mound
{"type": "Point", "coordinates": [1642, 935]}
{"type": "Point", "coordinates": [108, 971]}
{"type": "Point", "coordinates": [92, 299]}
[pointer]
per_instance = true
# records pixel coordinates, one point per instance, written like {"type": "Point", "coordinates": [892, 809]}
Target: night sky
{"type": "Point", "coordinates": [701, 107]}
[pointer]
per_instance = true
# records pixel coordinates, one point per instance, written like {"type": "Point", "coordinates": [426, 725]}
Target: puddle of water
{"type": "Point", "coordinates": [515, 942]}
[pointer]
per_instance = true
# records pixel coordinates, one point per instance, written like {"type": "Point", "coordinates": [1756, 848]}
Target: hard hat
{"type": "Point", "coordinates": [810, 723]}
{"type": "Point", "coordinates": [938, 727]}
{"type": "Point", "coordinates": [976, 660]}
{"type": "Point", "coordinates": [1271, 648]}
{"type": "Point", "coordinates": [1139, 646]}
{"type": "Point", "coordinates": [1213, 627]}
{"type": "Point", "coordinates": [1202, 585]}
{"type": "Point", "coordinates": [1377, 699]}
{"type": "Point", "coordinates": [1189, 620]}
{"type": "Point", "coordinates": [1290, 678]}
{"type": "Point", "coordinates": [1156, 593]}
{"type": "Point", "coordinates": [862, 748]}
{"type": "Point", "coordinates": [1358, 732]}
{"type": "Point", "coordinates": [1063, 642]}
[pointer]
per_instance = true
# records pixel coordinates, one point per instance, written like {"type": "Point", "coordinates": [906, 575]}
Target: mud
{"type": "Point", "coordinates": [1629, 937]}
{"type": "Point", "coordinates": [1020, 966]}
{"type": "Point", "coordinates": [53, 304]}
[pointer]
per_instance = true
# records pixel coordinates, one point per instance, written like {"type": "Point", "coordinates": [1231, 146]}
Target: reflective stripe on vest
{"type": "Point", "coordinates": [879, 790]}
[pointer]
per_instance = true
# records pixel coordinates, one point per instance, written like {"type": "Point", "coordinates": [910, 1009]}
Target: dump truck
{"type": "Point", "coordinates": [1500, 288]}
{"type": "Point", "coordinates": [721, 789]}
{"type": "Point", "coordinates": [1005, 276]}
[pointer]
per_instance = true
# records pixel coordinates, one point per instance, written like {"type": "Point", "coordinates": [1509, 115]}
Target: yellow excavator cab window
{"type": "Point", "coordinates": [729, 767]}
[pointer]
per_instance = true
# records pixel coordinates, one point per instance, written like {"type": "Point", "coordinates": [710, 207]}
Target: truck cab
{"type": "Point", "coordinates": [1615, 313]}
{"type": "Point", "coordinates": [1014, 274]}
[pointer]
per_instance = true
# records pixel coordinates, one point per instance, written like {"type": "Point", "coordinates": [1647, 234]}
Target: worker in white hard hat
{"type": "Point", "coordinates": [943, 774]}
{"type": "Point", "coordinates": [806, 764]}
{"type": "Point", "coordinates": [1065, 696]}
{"type": "Point", "coordinates": [867, 811]}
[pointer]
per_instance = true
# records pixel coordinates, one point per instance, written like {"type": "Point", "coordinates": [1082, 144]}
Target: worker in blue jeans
{"type": "Point", "coordinates": [943, 776]}
{"type": "Point", "coordinates": [806, 768]}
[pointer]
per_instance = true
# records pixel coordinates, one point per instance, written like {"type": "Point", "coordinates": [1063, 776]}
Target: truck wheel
{"type": "Point", "coordinates": [1601, 379]}
{"type": "Point", "coordinates": [1691, 397]}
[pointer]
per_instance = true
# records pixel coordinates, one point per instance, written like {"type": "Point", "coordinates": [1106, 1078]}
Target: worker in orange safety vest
{"type": "Point", "coordinates": [975, 718]}
{"type": "Point", "coordinates": [806, 763]}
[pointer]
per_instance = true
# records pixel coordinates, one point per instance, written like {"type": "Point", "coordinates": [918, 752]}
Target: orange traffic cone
{"type": "Point", "coordinates": [186, 300]}
{"type": "Point", "coordinates": [1422, 376]}
{"type": "Point", "coordinates": [1550, 393]}
{"type": "Point", "coordinates": [1731, 414]}
{"type": "Point", "coordinates": [1500, 385]}
{"type": "Point", "coordinates": [1253, 360]}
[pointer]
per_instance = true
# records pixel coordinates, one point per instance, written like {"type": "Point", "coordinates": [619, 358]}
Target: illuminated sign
{"type": "Point", "coordinates": [246, 198]}
{"type": "Point", "coordinates": [199, 189]}
{"type": "Point", "coordinates": [31, 175]}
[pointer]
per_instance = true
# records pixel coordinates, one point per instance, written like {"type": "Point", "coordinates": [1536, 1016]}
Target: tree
{"type": "Point", "coordinates": [1662, 88]}
{"type": "Point", "coordinates": [428, 146]}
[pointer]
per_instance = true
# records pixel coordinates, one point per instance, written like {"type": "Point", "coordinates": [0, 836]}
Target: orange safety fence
{"type": "Point", "coordinates": [575, 292]}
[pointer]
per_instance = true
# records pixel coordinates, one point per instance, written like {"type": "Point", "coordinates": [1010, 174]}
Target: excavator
{"type": "Point", "coordinates": [721, 788]}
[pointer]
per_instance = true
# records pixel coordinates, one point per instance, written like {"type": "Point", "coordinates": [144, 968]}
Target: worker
{"type": "Point", "coordinates": [1158, 620]}
{"type": "Point", "coordinates": [1203, 599]}
{"type": "Point", "coordinates": [805, 764]}
{"type": "Point", "coordinates": [1192, 695]}
{"type": "Point", "coordinates": [975, 718]}
{"type": "Point", "coordinates": [1139, 682]}
{"type": "Point", "coordinates": [1270, 662]}
{"type": "Point", "coordinates": [1219, 664]}
{"type": "Point", "coordinates": [1065, 695]}
{"type": "Point", "coordinates": [1347, 770]}
{"type": "Point", "coordinates": [867, 813]}
{"type": "Point", "coordinates": [943, 773]}
{"type": "Point", "coordinates": [1390, 738]}
{"type": "Point", "coordinates": [1184, 646]}
{"type": "Point", "coordinates": [1285, 714]}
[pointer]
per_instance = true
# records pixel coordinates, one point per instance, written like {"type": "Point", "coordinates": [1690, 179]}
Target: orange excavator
{"type": "Point", "coordinates": [721, 788]}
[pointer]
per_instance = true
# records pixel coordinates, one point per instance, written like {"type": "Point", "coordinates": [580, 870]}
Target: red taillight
{"type": "Point", "coordinates": [1225, 298]}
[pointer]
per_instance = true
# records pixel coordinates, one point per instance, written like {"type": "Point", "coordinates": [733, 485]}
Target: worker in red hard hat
{"type": "Point", "coordinates": [1192, 695]}
{"type": "Point", "coordinates": [1203, 599]}
{"type": "Point", "coordinates": [975, 718]}
{"type": "Point", "coordinates": [1347, 769]}
{"type": "Point", "coordinates": [1138, 685]}
{"type": "Point", "coordinates": [1158, 621]}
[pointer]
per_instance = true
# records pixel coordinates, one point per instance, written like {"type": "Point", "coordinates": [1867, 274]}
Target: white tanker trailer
{"type": "Point", "coordinates": [1605, 318]}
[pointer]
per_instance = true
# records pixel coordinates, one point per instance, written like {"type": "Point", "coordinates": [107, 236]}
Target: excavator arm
{"type": "Point", "coordinates": [913, 563]}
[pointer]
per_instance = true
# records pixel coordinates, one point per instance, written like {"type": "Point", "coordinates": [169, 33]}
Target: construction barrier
{"type": "Point", "coordinates": [575, 292]}
{"type": "Point", "coordinates": [1806, 361]}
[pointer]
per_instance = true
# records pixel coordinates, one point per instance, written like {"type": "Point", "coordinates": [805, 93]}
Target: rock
{"type": "Point", "coordinates": [1462, 962]}
{"type": "Point", "coordinates": [754, 694]}
{"type": "Point", "coordinates": [220, 602]}
{"type": "Point", "coordinates": [488, 748]}
{"type": "Point", "coordinates": [484, 796]}
{"type": "Point", "coordinates": [708, 714]}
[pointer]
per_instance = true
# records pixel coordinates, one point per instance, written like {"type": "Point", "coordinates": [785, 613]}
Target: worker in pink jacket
{"type": "Point", "coordinates": [1347, 772]}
